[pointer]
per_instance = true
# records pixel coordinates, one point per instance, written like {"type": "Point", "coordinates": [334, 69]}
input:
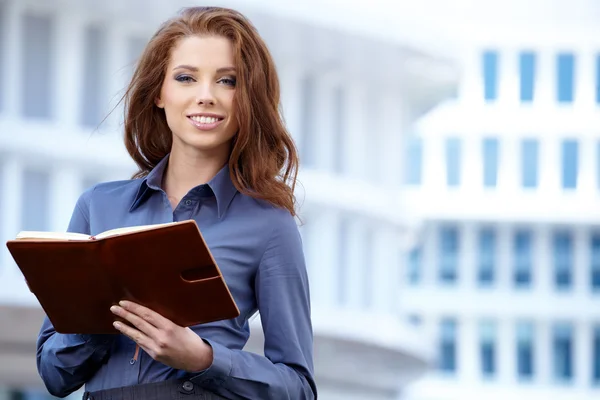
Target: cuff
{"type": "Point", "coordinates": [220, 369]}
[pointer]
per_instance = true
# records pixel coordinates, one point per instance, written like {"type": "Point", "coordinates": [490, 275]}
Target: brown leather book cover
{"type": "Point", "coordinates": [167, 268]}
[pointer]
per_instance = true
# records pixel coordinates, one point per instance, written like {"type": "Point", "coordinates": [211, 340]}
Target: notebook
{"type": "Point", "coordinates": [165, 267]}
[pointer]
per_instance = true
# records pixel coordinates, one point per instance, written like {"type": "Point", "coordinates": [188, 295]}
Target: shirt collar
{"type": "Point", "coordinates": [221, 186]}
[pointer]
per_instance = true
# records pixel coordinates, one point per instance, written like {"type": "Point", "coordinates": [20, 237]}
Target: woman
{"type": "Point", "coordinates": [203, 126]}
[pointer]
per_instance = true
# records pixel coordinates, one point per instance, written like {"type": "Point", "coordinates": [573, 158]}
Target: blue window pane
{"type": "Point", "coordinates": [529, 163]}
{"type": "Point", "coordinates": [448, 253]}
{"type": "Point", "coordinates": [565, 65]}
{"type": "Point", "coordinates": [487, 257]}
{"type": "Point", "coordinates": [453, 155]}
{"type": "Point", "coordinates": [414, 161]}
{"type": "Point", "coordinates": [414, 266]}
{"type": "Point", "coordinates": [562, 346]}
{"type": "Point", "coordinates": [490, 162]}
{"type": "Point", "coordinates": [3, 61]}
{"type": "Point", "coordinates": [527, 72]}
{"type": "Point", "coordinates": [596, 356]}
{"type": "Point", "coordinates": [595, 262]}
{"type": "Point", "coordinates": [338, 127]}
{"type": "Point", "coordinates": [93, 82]}
{"type": "Point", "coordinates": [490, 75]}
{"type": "Point", "coordinates": [37, 57]}
{"type": "Point", "coordinates": [447, 343]}
{"type": "Point", "coordinates": [563, 260]}
{"type": "Point", "coordinates": [570, 163]}
{"type": "Point", "coordinates": [525, 341]}
{"type": "Point", "coordinates": [487, 348]}
{"type": "Point", "coordinates": [36, 199]}
{"type": "Point", "coordinates": [522, 258]}
{"type": "Point", "coordinates": [598, 164]}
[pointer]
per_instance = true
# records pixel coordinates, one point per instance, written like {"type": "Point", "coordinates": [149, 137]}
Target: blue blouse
{"type": "Point", "coordinates": [259, 251]}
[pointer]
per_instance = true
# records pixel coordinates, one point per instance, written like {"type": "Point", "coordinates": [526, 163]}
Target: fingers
{"type": "Point", "coordinates": [136, 320]}
{"type": "Point", "coordinates": [134, 334]}
{"type": "Point", "coordinates": [148, 315]}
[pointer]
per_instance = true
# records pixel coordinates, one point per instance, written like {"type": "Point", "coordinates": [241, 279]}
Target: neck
{"type": "Point", "coordinates": [187, 169]}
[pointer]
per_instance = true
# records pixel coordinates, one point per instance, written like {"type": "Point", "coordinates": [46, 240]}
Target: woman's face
{"type": "Point", "coordinates": [197, 95]}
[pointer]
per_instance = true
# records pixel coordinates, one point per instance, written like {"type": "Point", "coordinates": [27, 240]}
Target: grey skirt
{"type": "Point", "coordinates": [166, 390]}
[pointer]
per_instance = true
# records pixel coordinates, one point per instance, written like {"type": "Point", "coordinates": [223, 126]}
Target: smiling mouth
{"type": "Point", "coordinates": [205, 120]}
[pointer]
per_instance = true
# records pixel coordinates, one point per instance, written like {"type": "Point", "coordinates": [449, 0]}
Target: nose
{"type": "Point", "coordinates": [205, 95]}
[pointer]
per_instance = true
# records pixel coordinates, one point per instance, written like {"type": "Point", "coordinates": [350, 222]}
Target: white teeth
{"type": "Point", "coordinates": [204, 120]}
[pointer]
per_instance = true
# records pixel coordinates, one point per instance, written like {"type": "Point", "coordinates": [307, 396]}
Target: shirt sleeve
{"type": "Point", "coordinates": [282, 291]}
{"type": "Point", "coordinates": [66, 362]}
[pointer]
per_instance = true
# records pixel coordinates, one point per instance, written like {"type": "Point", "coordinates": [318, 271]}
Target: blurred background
{"type": "Point", "coordinates": [449, 188]}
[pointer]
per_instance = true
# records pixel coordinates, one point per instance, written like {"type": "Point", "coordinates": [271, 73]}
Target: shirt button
{"type": "Point", "coordinates": [188, 386]}
{"type": "Point", "coordinates": [188, 202]}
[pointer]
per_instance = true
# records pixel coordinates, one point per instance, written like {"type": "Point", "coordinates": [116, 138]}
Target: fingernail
{"type": "Point", "coordinates": [122, 303]}
{"type": "Point", "coordinates": [117, 325]}
{"type": "Point", "coordinates": [114, 309]}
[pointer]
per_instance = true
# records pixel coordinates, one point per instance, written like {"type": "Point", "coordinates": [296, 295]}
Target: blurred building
{"type": "Point", "coordinates": [348, 100]}
{"type": "Point", "coordinates": [506, 179]}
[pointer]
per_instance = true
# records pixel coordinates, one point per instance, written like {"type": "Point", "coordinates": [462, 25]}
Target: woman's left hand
{"type": "Point", "coordinates": [164, 341]}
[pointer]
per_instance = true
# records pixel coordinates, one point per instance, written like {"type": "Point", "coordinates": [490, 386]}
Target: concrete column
{"type": "Point", "coordinates": [385, 269]}
{"type": "Point", "coordinates": [10, 209]}
{"type": "Point", "coordinates": [324, 128]}
{"type": "Point", "coordinates": [508, 78]}
{"type": "Point", "coordinates": [12, 78]}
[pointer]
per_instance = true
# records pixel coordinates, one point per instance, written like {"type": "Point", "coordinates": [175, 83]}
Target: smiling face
{"type": "Point", "coordinates": [197, 95]}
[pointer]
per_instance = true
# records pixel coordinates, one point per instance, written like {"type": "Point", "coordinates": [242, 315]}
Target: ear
{"type": "Point", "coordinates": [159, 103]}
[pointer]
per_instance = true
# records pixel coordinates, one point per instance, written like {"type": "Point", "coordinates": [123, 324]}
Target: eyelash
{"type": "Point", "coordinates": [187, 79]}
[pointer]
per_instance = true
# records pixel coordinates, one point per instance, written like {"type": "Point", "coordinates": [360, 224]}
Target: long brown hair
{"type": "Point", "coordinates": [263, 162]}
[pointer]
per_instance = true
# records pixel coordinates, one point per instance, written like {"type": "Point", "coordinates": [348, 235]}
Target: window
{"type": "Point", "coordinates": [37, 66]}
{"type": "Point", "coordinates": [595, 262]}
{"type": "Point", "coordinates": [447, 343]}
{"type": "Point", "coordinates": [487, 257]}
{"type": "Point", "coordinates": [562, 346]}
{"type": "Point", "coordinates": [565, 68]}
{"type": "Point", "coordinates": [490, 75]}
{"type": "Point", "coordinates": [569, 164]}
{"type": "Point", "coordinates": [415, 320]}
{"type": "Point", "coordinates": [414, 266]}
{"type": "Point", "coordinates": [307, 150]}
{"type": "Point", "coordinates": [525, 340]}
{"type": "Point", "coordinates": [596, 356]}
{"type": "Point", "coordinates": [490, 162]}
{"type": "Point", "coordinates": [597, 79]}
{"type": "Point", "coordinates": [94, 81]}
{"type": "Point", "coordinates": [135, 47]}
{"type": "Point", "coordinates": [522, 259]}
{"type": "Point", "coordinates": [453, 154]}
{"type": "Point", "coordinates": [598, 164]}
{"type": "Point", "coordinates": [487, 348]}
{"type": "Point", "coordinates": [529, 163]}
{"type": "Point", "coordinates": [563, 260]}
{"type": "Point", "coordinates": [35, 215]}
{"type": "Point", "coordinates": [448, 254]}
{"type": "Point", "coordinates": [414, 160]}
{"type": "Point", "coordinates": [527, 73]}
{"type": "Point", "coordinates": [338, 128]}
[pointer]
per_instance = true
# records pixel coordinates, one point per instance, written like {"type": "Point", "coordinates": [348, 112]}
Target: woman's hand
{"type": "Point", "coordinates": [164, 341]}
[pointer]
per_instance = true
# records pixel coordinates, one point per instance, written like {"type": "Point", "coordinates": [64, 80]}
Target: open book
{"type": "Point", "coordinates": [165, 267]}
{"type": "Point", "coordinates": [41, 235]}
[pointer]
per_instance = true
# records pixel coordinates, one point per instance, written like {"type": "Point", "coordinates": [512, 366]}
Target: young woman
{"type": "Point", "coordinates": [202, 124]}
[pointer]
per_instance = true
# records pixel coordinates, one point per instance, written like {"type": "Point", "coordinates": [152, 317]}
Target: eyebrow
{"type": "Point", "coordinates": [194, 69]}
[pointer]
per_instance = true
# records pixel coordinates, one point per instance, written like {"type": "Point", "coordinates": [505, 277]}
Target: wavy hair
{"type": "Point", "coordinates": [263, 162]}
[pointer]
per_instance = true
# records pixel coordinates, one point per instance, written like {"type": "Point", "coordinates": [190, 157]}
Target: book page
{"type": "Point", "coordinates": [38, 235]}
{"type": "Point", "coordinates": [131, 229]}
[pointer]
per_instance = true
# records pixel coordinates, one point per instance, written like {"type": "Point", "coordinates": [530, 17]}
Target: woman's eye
{"type": "Point", "coordinates": [184, 78]}
{"type": "Point", "coordinates": [228, 81]}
